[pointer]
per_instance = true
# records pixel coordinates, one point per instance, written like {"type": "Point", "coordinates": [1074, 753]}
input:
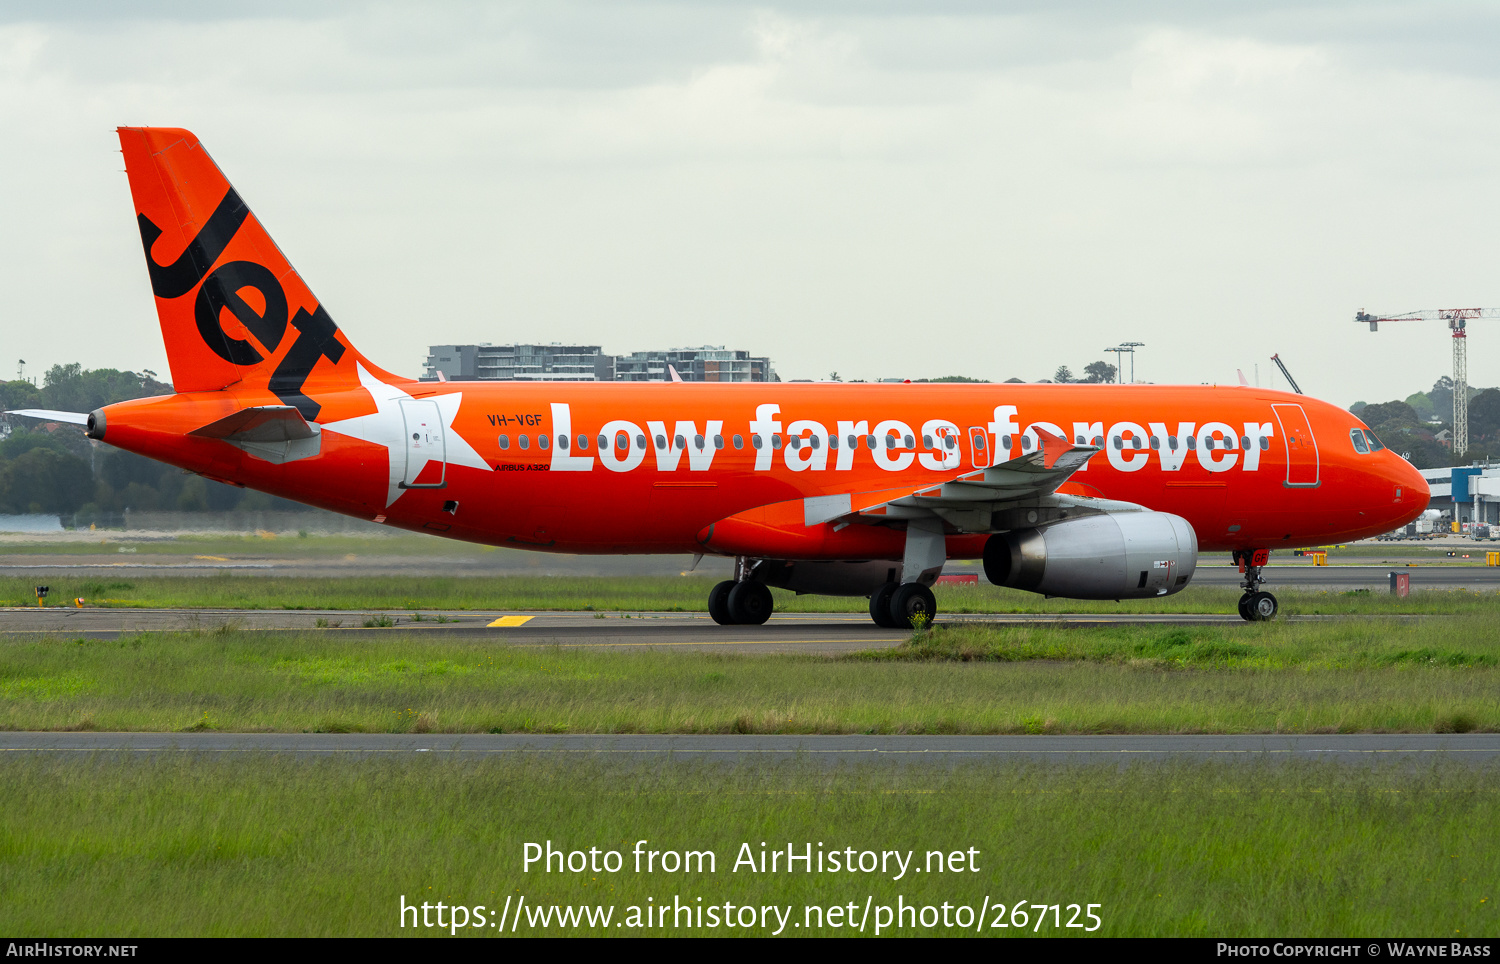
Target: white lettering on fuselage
{"type": "Point", "coordinates": [806, 444]}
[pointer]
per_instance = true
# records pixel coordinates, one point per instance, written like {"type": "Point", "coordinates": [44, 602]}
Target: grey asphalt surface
{"type": "Point", "coordinates": [1423, 576]}
{"type": "Point", "coordinates": [784, 633]}
{"type": "Point", "coordinates": [1293, 573]}
{"type": "Point", "coordinates": [1472, 749]}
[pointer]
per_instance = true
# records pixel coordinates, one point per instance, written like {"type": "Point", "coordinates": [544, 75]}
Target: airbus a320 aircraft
{"type": "Point", "coordinates": [1080, 491]}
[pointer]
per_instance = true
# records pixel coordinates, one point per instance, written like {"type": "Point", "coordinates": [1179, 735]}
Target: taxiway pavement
{"type": "Point", "coordinates": [1299, 574]}
{"type": "Point", "coordinates": [1472, 749]}
{"type": "Point", "coordinates": [784, 633]}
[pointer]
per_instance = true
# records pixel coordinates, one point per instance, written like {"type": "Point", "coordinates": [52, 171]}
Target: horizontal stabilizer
{"type": "Point", "coordinates": [265, 423]}
{"type": "Point", "coordinates": [275, 433]}
{"type": "Point", "coordinates": [72, 418]}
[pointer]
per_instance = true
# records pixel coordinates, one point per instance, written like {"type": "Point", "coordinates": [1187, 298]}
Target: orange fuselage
{"type": "Point", "coordinates": [1248, 468]}
{"type": "Point", "coordinates": [274, 395]}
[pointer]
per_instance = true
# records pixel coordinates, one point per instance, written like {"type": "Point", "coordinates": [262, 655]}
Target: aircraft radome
{"type": "Point", "coordinates": [1080, 491]}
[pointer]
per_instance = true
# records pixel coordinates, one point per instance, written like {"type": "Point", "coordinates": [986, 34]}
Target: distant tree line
{"type": "Point", "coordinates": [1094, 373]}
{"type": "Point", "coordinates": [1412, 426]}
{"type": "Point", "coordinates": [52, 468]}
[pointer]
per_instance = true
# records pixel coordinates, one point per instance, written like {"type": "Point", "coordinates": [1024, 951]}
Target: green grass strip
{"type": "Point", "coordinates": [270, 845]}
{"type": "Point", "coordinates": [1360, 675]}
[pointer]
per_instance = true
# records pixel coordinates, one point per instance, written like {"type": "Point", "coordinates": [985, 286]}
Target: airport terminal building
{"type": "Point", "coordinates": [588, 363]}
{"type": "Point", "coordinates": [1467, 493]}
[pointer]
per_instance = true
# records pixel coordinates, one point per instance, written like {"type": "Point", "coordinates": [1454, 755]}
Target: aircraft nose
{"type": "Point", "coordinates": [1414, 484]}
{"type": "Point", "coordinates": [1414, 492]}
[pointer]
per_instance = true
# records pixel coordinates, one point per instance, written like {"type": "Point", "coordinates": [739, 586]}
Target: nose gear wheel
{"type": "Point", "coordinates": [1255, 605]}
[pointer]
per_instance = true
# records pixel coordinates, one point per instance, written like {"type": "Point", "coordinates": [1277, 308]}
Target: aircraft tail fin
{"type": "Point", "coordinates": [233, 311]}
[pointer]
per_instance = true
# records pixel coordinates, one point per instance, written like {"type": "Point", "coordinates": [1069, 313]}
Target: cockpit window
{"type": "Point", "coordinates": [1358, 438]}
{"type": "Point", "coordinates": [1375, 445]}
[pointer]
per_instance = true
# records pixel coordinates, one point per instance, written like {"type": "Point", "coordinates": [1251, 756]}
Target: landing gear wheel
{"type": "Point", "coordinates": [718, 603]}
{"type": "Point", "coordinates": [1244, 607]}
{"type": "Point", "coordinates": [1262, 606]}
{"type": "Point", "coordinates": [913, 603]}
{"type": "Point", "coordinates": [880, 606]}
{"type": "Point", "coordinates": [750, 603]}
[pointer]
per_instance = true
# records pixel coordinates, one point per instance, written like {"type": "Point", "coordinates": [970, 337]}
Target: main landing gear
{"type": "Point", "coordinates": [733, 603]}
{"type": "Point", "coordinates": [902, 605]}
{"type": "Point", "coordinates": [909, 604]}
{"type": "Point", "coordinates": [740, 601]}
{"type": "Point", "coordinates": [1255, 605]}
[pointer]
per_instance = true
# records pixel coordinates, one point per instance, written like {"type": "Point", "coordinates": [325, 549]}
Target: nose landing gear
{"type": "Point", "coordinates": [1255, 605]}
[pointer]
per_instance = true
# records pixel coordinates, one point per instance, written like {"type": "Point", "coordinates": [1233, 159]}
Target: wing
{"type": "Point", "coordinates": [1013, 494]}
{"type": "Point", "coordinates": [1017, 494]}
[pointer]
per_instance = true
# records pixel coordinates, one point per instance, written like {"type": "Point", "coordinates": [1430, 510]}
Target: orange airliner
{"type": "Point", "coordinates": [1081, 491]}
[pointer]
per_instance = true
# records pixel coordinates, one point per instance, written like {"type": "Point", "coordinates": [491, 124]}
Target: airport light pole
{"type": "Point", "coordinates": [1119, 362]}
{"type": "Point", "coordinates": [1131, 346]}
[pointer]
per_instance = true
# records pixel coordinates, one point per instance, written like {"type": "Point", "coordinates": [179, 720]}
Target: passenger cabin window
{"type": "Point", "coordinates": [1358, 438]}
{"type": "Point", "coordinates": [1375, 444]}
{"type": "Point", "coordinates": [524, 441]}
{"type": "Point", "coordinates": [504, 442]}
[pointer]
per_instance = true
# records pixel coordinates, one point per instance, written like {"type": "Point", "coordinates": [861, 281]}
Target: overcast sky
{"type": "Point", "coordinates": [878, 189]}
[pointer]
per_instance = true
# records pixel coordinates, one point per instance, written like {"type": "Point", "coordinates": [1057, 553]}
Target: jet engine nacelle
{"type": "Point", "coordinates": [1127, 555]}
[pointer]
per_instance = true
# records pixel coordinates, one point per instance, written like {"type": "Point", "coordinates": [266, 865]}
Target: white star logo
{"type": "Point", "coordinates": [386, 426]}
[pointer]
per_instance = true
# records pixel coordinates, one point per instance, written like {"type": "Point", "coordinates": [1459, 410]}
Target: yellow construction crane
{"type": "Point", "coordinates": [1457, 319]}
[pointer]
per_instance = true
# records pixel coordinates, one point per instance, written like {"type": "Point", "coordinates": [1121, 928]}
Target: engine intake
{"type": "Point", "coordinates": [1127, 555]}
